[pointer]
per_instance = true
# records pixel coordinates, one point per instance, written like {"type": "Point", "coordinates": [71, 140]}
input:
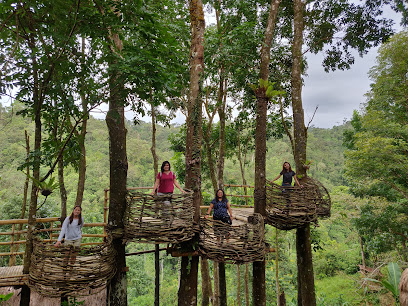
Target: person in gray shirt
{"type": "Point", "coordinates": [72, 230]}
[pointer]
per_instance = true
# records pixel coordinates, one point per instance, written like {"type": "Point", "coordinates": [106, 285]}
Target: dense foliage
{"type": "Point", "coordinates": [335, 241]}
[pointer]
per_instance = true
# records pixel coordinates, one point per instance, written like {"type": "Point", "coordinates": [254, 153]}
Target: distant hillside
{"type": "Point", "coordinates": [325, 149]}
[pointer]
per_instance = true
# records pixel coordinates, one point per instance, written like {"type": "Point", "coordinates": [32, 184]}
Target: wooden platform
{"type": "Point", "coordinates": [12, 276]}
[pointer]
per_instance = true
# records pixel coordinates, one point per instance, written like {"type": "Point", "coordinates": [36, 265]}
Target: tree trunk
{"type": "Point", "coordinates": [221, 112]}
{"type": "Point", "coordinates": [242, 160]}
{"type": "Point", "coordinates": [216, 284]}
{"type": "Point", "coordinates": [12, 260]}
{"type": "Point", "coordinates": [115, 120]}
{"type": "Point", "coordinates": [81, 141]}
{"type": "Point", "coordinates": [306, 290]}
{"type": "Point", "coordinates": [221, 103]}
{"type": "Point", "coordinates": [117, 200]}
{"type": "Point", "coordinates": [222, 284]}
{"type": "Point", "coordinates": [38, 101]}
{"type": "Point", "coordinates": [153, 147]}
{"type": "Point", "coordinates": [246, 280]}
{"type": "Point", "coordinates": [238, 286]}
{"type": "Point", "coordinates": [258, 283]}
{"type": "Point", "coordinates": [187, 294]}
{"type": "Point", "coordinates": [206, 283]}
{"type": "Point", "coordinates": [82, 158]}
{"type": "Point", "coordinates": [210, 160]}
{"type": "Point", "coordinates": [63, 191]}
{"type": "Point", "coordinates": [157, 275]}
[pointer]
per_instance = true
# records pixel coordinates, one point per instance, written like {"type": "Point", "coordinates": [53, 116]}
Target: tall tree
{"type": "Point", "coordinates": [306, 289]}
{"type": "Point", "coordinates": [187, 294]}
{"type": "Point", "coordinates": [258, 284]}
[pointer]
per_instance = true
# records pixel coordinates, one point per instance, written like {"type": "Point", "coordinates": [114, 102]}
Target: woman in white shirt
{"type": "Point", "coordinates": [72, 230]}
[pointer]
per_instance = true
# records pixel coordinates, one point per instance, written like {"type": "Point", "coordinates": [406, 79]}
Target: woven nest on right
{"type": "Point", "coordinates": [240, 243]}
{"type": "Point", "coordinates": [293, 207]}
{"type": "Point", "coordinates": [159, 218]}
{"type": "Point", "coordinates": [70, 271]}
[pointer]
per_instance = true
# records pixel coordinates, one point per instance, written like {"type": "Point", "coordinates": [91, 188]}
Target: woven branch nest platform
{"type": "Point", "coordinates": [293, 207]}
{"type": "Point", "coordinates": [241, 242]}
{"type": "Point", "coordinates": [53, 272]}
{"type": "Point", "coordinates": [159, 218]}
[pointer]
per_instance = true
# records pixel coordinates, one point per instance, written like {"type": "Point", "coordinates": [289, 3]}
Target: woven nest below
{"type": "Point", "coordinates": [159, 218]}
{"type": "Point", "coordinates": [54, 272]}
{"type": "Point", "coordinates": [293, 207]}
{"type": "Point", "coordinates": [241, 242]}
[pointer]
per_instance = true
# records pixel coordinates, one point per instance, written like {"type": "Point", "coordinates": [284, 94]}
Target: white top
{"type": "Point", "coordinates": [71, 231]}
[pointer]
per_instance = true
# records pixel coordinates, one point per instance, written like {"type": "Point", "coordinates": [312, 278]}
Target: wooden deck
{"type": "Point", "coordinates": [11, 276]}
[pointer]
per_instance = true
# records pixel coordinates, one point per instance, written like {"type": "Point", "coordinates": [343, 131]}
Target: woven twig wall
{"type": "Point", "coordinates": [235, 244]}
{"type": "Point", "coordinates": [292, 207]}
{"type": "Point", "coordinates": [68, 271]}
{"type": "Point", "coordinates": [159, 218]}
{"type": "Point", "coordinates": [323, 201]}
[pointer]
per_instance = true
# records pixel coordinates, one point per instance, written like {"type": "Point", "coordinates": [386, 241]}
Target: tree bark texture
{"type": "Point", "coordinates": [222, 284]}
{"type": "Point", "coordinates": [238, 285]}
{"type": "Point", "coordinates": [82, 158]}
{"type": "Point", "coordinates": [63, 191]}
{"type": "Point", "coordinates": [305, 267]}
{"type": "Point", "coordinates": [306, 289]}
{"type": "Point", "coordinates": [258, 282]}
{"type": "Point", "coordinates": [221, 112]}
{"type": "Point", "coordinates": [299, 129]}
{"type": "Point", "coordinates": [187, 294]}
{"type": "Point", "coordinates": [117, 200]}
{"type": "Point", "coordinates": [37, 106]}
{"type": "Point", "coordinates": [206, 295]}
{"type": "Point", "coordinates": [246, 281]}
{"type": "Point", "coordinates": [153, 147]}
{"type": "Point", "coordinates": [157, 275]}
{"type": "Point", "coordinates": [216, 284]}
{"type": "Point", "coordinates": [115, 120]}
{"type": "Point", "coordinates": [210, 159]}
{"type": "Point", "coordinates": [81, 139]}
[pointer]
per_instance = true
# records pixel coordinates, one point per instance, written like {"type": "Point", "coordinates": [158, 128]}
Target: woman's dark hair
{"type": "Point", "coordinates": [283, 167]}
{"type": "Point", "coordinates": [163, 164]}
{"type": "Point", "coordinates": [71, 217]}
{"type": "Point", "coordinates": [224, 198]}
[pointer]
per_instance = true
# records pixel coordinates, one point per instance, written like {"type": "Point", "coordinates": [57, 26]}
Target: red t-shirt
{"type": "Point", "coordinates": [166, 182]}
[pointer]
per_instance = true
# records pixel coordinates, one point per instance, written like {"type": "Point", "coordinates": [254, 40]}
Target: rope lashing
{"type": "Point", "coordinates": [159, 218]}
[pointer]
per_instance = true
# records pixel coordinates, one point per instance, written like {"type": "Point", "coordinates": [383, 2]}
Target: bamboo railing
{"type": "Point", "coordinates": [51, 230]}
{"type": "Point", "coordinates": [237, 192]}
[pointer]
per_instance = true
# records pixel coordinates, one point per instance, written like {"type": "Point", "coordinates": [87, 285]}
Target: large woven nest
{"type": "Point", "coordinates": [293, 207]}
{"type": "Point", "coordinates": [241, 242]}
{"type": "Point", "coordinates": [53, 272]}
{"type": "Point", "coordinates": [159, 218]}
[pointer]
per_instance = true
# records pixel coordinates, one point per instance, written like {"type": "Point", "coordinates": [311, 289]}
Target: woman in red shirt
{"type": "Point", "coordinates": [165, 181]}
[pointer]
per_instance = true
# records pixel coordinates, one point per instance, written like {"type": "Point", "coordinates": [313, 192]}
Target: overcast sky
{"type": "Point", "coordinates": [336, 94]}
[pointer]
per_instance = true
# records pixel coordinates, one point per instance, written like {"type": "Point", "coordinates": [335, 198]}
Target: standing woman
{"type": "Point", "coordinates": [221, 208]}
{"type": "Point", "coordinates": [165, 181]}
{"type": "Point", "coordinates": [287, 173]}
{"type": "Point", "coordinates": [72, 230]}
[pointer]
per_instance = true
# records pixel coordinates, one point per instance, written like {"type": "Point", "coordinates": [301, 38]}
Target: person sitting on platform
{"type": "Point", "coordinates": [287, 173]}
{"type": "Point", "coordinates": [72, 230]}
{"type": "Point", "coordinates": [221, 208]}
